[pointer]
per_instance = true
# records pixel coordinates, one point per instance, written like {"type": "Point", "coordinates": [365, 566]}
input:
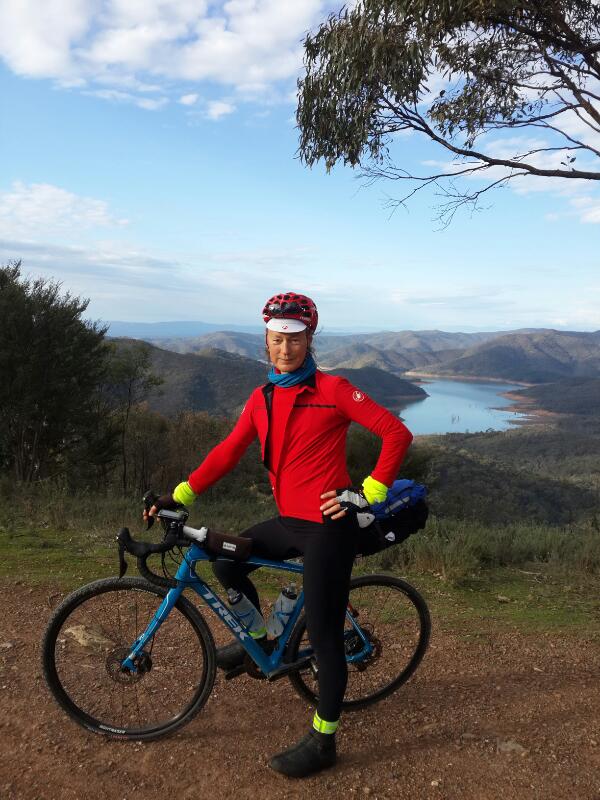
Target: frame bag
{"type": "Point", "coordinates": [227, 545]}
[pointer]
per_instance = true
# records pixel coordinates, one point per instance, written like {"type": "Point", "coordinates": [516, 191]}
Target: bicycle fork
{"type": "Point", "coordinates": [162, 612]}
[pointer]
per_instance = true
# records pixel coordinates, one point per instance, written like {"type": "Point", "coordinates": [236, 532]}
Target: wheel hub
{"type": "Point", "coordinates": [119, 674]}
{"type": "Point", "coordinates": [355, 644]}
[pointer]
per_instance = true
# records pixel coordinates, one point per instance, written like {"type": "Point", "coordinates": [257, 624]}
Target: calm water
{"type": "Point", "coordinates": [461, 406]}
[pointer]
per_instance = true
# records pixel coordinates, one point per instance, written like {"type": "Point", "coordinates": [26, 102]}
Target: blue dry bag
{"type": "Point", "coordinates": [402, 513]}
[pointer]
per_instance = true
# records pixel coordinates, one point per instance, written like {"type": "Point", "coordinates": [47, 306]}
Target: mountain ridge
{"type": "Point", "coordinates": [537, 357]}
{"type": "Point", "coordinates": [219, 382]}
{"type": "Point", "coordinates": [528, 356]}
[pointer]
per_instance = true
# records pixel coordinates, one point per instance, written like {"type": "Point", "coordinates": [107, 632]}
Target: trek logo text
{"type": "Point", "coordinates": [214, 601]}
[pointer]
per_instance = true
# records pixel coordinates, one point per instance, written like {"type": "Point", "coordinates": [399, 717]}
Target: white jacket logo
{"type": "Point", "coordinates": [358, 396]}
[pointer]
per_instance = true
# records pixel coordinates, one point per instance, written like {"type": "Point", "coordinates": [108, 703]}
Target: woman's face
{"type": "Point", "coordinates": [287, 351]}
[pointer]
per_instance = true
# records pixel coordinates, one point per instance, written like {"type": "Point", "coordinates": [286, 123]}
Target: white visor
{"type": "Point", "coordinates": [285, 325]}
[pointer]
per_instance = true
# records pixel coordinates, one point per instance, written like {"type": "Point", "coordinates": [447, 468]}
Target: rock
{"type": "Point", "coordinates": [510, 746]}
{"type": "Point", "coordinates": [502, 598]}
{"type": "Point", "coordinates": [6, 645]}
{"type": "Point", "coordinates": [89, 637]}
{"type": "Point", "coordinates": [436, 782]}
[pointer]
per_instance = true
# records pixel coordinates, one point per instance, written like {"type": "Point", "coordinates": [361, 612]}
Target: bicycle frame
{"type": "Point", "coordinates": [270, 664]}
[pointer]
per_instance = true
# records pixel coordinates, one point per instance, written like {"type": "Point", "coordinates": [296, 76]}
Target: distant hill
{"type": "Point", "coordinates": [535, 357]}
{"type": "Point", "coordinates": [429, 341]}
{"type": "Point", "coordinates": [218, 382]}
{"type": "Point", "coordinates": [250, 345]}
{"type": "Point", "coordinates": [530, 356]}
{"type": "Point", "coordinates": [212, 380]}
{"type": "Point", "coordinates": [384, 388]}
{"type": "Point", "coordinates": [573, 396]}
{"type": "Point", "coordinates": [395, 352]}
{"type": "Point", "coordinates": [168, 330]}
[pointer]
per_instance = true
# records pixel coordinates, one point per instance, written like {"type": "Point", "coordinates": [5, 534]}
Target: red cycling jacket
{"type": "Point", "coordinates": [302, 431]}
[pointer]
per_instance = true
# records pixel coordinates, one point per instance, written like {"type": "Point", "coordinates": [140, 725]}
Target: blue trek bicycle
{"type": "Point", "coordinates": [133, 658]}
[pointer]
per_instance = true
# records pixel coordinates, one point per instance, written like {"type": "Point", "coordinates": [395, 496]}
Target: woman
{"type": "Point", "coordinates": [301, 417]}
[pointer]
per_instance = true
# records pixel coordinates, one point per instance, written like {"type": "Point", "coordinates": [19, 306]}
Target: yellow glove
{"type": "Point", "coordinates": [184, 494]}
{"type": "Point", "coordinates": [374, 491]}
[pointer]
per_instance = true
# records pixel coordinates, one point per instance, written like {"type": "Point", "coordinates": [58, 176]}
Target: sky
{"type": "Point", "coordinates": [149, 163]}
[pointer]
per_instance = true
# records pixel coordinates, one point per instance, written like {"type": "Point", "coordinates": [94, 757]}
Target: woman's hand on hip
{"type": "Point", "coordinates": [331, 507]}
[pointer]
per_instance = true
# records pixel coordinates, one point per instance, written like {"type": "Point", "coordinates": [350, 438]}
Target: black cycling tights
{"type": "Point", "coordinates": [328, 550]}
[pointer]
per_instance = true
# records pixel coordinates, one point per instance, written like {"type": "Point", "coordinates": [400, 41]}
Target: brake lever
{"type": "Point", "coordinates": [149, 499]}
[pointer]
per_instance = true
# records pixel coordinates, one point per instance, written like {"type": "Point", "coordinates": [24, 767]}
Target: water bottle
{"type": "Point", "coordinates": [282, 610]}
{"type": "Point", "coordinates": [247, 613]}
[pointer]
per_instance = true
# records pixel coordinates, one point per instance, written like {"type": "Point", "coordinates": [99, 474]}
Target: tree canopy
{"type": "Point", "coordinates": [66, 395]}
{"type": "Point", "coordinates": [506, 89]}
{"type": "Point", "coordinates": [51, 362]}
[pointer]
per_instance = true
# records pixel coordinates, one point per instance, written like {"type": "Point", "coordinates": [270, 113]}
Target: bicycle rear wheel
{"type": "Point", "coordinates": [90, 634]}
{"type": "Point", "coordinates": [394, 618]}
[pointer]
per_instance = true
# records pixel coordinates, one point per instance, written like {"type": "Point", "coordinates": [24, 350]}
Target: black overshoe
{"type": "Point", "coordinates": [232, 655]}
{"type": "Point", "coordinates": [314, 752]}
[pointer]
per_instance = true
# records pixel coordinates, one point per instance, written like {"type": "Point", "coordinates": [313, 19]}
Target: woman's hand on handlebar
{"type": "Point", "coordinates": [164, 501]}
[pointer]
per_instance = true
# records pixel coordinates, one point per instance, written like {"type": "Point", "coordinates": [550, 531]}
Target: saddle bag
{"type": "Point", "coordinates": [227, 545]}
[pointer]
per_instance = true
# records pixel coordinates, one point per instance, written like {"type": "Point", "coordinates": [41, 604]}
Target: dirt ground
{"type": "Point", "coordinates": [493, 716]}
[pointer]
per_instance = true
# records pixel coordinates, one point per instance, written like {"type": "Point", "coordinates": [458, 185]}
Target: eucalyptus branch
{"type": "Point", "coordinates": [533, 67]}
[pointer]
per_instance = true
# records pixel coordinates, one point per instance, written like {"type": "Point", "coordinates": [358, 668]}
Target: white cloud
{"type": "Point", "coordinates": [193, 285]}
{"type": "Point", "coordinates": [152, 103]}
{"type": "Point", "coordinates": [246, 45]}
{"type": "Point", "coordinates": [189, 99]}
{"type": "Point", "coordinates": [117, 96]}
{"type": "Point", "coordinates": [591, 215]}
{"type": "Point", "coordinates": [219, 108]}
{"type": "Point", "coordinates": [36, 209]}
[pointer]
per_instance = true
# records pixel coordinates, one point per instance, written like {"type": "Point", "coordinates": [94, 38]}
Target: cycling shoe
{"type": "Point", "coordinates": [314, 752]}
{"type": "Point", "coordinates": [230, 656]}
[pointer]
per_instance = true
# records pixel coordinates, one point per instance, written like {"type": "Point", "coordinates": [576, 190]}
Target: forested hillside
{"type": "Point", "coordinates": [210, 380]}
{"type": "Point", "coordinates": [579, 396]}
{"type": "Point", "coordinates": [220, 382]}
{"type": "Point", "coordinates": [534, 357]}
{"type": "Point", "coordinates": [382, 386]}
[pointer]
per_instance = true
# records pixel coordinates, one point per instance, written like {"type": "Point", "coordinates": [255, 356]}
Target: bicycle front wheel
{"type": "Point", "coordinates": [393, 618]}
{"type": "Point", "coordinates": [89, 636]}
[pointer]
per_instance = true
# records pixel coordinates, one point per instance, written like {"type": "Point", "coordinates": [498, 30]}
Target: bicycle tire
{"type": "Point", "coordinates": [406, 637]}
{"type": "Point", "coordinates": [88, 636]}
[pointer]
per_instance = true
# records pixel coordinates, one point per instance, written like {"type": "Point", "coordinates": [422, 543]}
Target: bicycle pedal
{"type": "Point", "coordinates": [286, 669]}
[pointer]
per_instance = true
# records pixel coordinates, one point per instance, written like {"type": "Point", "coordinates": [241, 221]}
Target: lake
{"type": "Point", "coordinates": [460, 407]}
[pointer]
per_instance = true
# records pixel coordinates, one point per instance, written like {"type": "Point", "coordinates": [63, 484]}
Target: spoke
{"type": "Point", "coordinates": [87, 662]}
{"type": "Point", "coordinates": [137, 703]}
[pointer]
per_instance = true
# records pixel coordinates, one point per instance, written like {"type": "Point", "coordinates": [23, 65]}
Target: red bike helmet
{"type": "Point", "coordinates": [283, 308]}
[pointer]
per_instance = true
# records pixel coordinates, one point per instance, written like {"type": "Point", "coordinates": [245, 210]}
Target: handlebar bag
{"type": "Point", "coordinates": [403, 513]}
{"type": "Point", "coordinates": [228, 546]}
{"type": "Point", "coordinates": [382, 534]}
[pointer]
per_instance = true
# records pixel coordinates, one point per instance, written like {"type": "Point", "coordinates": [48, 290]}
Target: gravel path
{"type": "Point", "coordinates": [501, 715]}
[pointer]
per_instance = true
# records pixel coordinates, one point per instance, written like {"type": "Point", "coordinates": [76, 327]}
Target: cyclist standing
{"type": "Point", "coordinates": [301, 417]}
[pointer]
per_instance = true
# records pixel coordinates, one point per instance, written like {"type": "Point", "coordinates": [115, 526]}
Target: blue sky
{"type": "Point", "coordinates": [148, 163]}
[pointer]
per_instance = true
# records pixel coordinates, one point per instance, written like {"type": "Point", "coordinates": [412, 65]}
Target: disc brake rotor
{"type": "Point", "coordinates": [114, 667]}
{"type": "Point", "coordinates": [355, 644]}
